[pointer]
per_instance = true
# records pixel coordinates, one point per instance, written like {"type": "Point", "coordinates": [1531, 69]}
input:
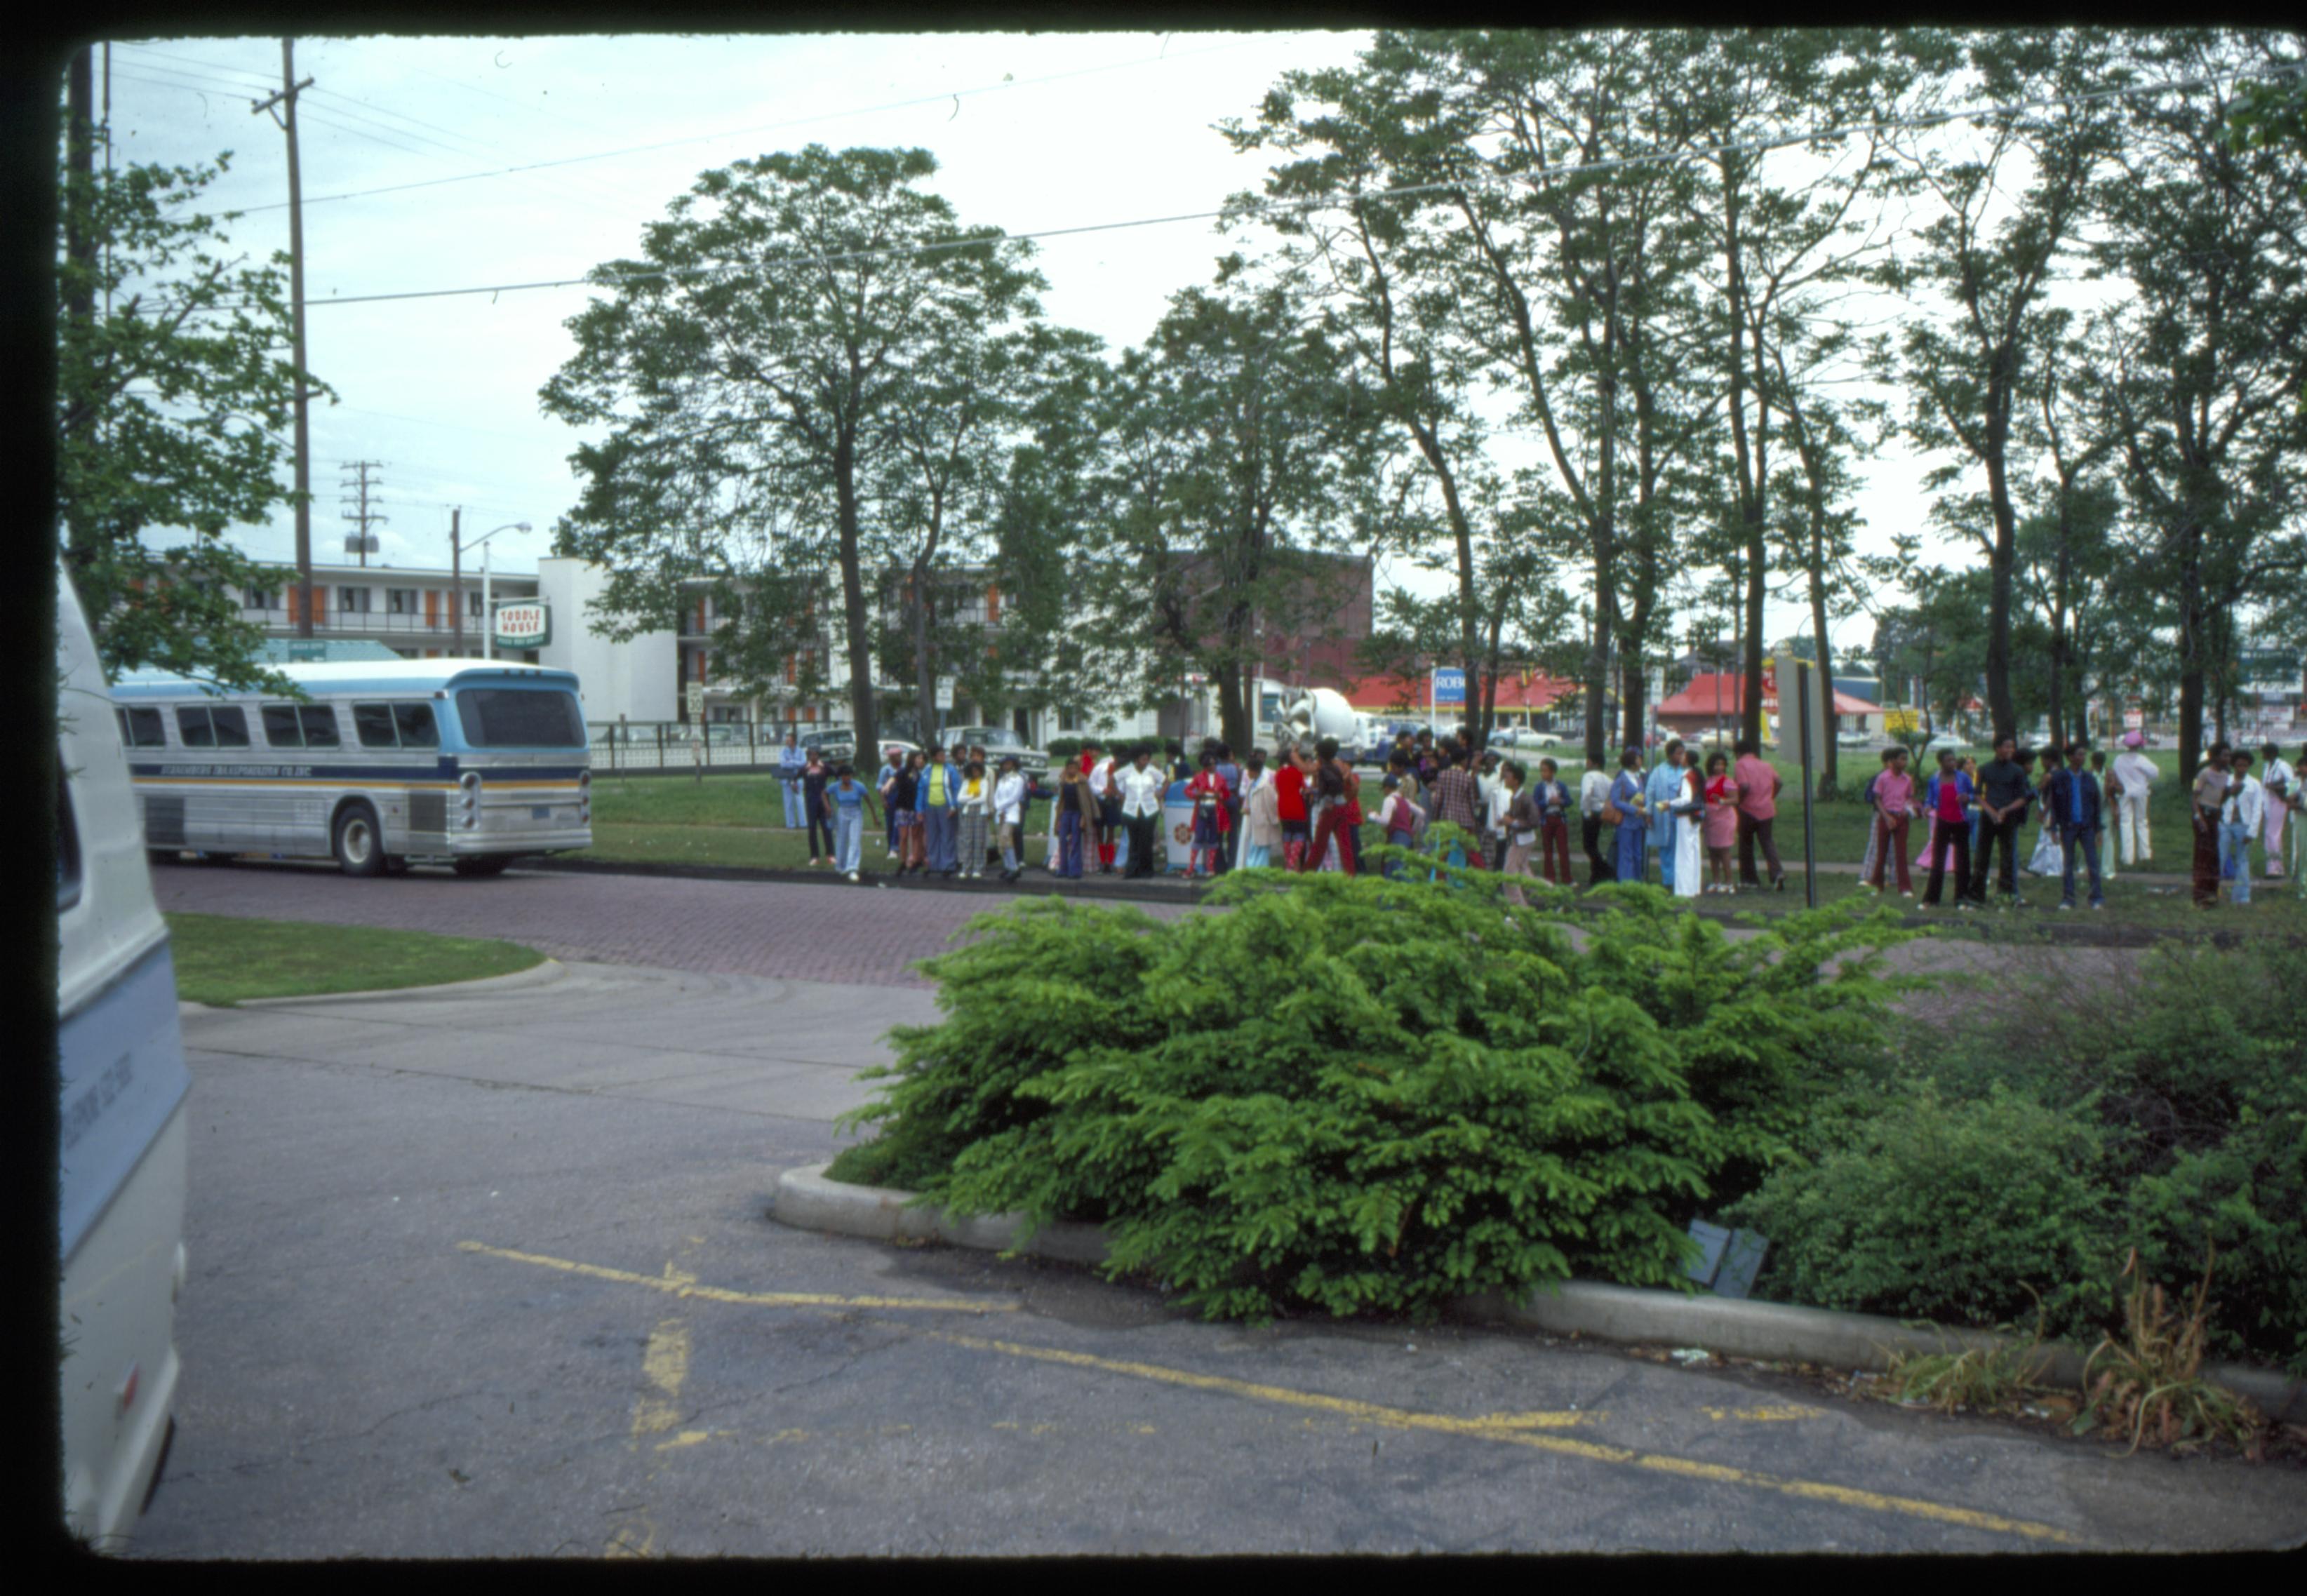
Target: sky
{"type": "Point", "coordinates": [1031, 132]}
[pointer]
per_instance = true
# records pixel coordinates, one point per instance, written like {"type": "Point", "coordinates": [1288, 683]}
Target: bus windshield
{"type": "Point", "coordinates": [521, 717]}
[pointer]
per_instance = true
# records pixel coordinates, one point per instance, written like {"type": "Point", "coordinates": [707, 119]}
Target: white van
{"type": "Point", "coordinates": [121, 1129]}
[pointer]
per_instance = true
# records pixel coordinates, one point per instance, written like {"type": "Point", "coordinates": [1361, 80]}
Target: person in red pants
{"type": "Point", "coordinates": [1341, 809]}
{"type": "Point", "coordinates": [1552, 800]}
{"type": "Point", "coordinates": [1894, 807]}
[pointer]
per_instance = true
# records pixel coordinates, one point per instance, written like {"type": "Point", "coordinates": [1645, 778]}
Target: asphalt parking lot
{"type": "Point", "coordinates": [493, 1274]}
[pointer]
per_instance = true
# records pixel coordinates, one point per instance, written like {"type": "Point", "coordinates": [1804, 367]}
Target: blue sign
{"type": "Point", "coordinates": [1450, 686]}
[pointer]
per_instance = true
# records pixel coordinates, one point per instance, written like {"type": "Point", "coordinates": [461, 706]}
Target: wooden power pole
{"type": "Point", "coordinates": [287, 118]}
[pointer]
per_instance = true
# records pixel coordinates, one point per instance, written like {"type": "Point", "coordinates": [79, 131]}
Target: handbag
{"type": "Point", "coordinates": [1612, 815]}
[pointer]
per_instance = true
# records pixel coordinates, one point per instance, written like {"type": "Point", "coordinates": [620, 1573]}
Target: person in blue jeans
{"type": "Point", "coordinates": [850, 800]}
{"type": "Point", "coordinates": [789, 768]}
{"type": "Point", "coordinates": [2240, 820]}
{"type": "Point", "coordinates": [1633, 826]}
{"type": "Point", "coordinates": [2077, 811]}
{"type": "Point", "coordinates": [939, 793]}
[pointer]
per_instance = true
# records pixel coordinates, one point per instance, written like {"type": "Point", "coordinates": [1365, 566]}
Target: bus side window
{"type": "Point", "coordinates": [143, 728]}
{"type": "Point", "coordinates": [231, 726]}
{"type": "Point", "coordinates": [281, 728]}
{"type": "Point", "coordinates": [193, 725]}
{"type": "Point", "coordinates": [373, 724]}
{"type": "Point", "coordinates": [320, 722]}
{"type": "Point", "coordinates": [416, 727]}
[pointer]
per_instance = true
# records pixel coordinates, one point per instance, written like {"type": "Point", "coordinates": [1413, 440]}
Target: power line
{"type": "Point", "coordinates": [739, 132]}
{"type": "Point", "coordinates": [1260, 207]}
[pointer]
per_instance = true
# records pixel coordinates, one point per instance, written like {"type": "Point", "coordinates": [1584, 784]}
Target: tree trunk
{"type": "Point", "coordinates": [855, 624]}
{"type": "Point", "coordinates": [2191, 626]}
{"type": "Point", "coordinates": [1597, 685]}
{"type": "Point", "coordinates": [924, 655]}
{"type": "Point", "coordinates": [1826, 658]}
{"type": "Point", "coordinates": [1233, 712]}
{"type": "Point", "coordinates": [2001, 708]}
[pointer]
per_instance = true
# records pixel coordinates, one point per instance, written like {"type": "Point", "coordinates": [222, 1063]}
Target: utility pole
{"type": "Point", "coordinates": [287, 119]}
{"type": "Point", "coordinates": [456, 582]}
{"type": "Point", "coordinates": [361, 541]}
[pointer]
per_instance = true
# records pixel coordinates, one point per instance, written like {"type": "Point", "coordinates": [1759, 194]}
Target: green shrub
{"type": "Point", "coordinates": [2197, 1071]}
{"type": "Point", "coordinates": [1942, 1209]}
{"type": "Point", "coordinates": [1351, 1095]}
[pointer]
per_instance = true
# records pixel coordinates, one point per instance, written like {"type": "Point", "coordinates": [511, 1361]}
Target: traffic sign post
{"type": "Point", "coordinates": [1802, 714]}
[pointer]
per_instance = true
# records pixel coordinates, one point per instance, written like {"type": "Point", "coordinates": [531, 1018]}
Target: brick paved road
{"type": "Point", "coordinates": [863, 935]}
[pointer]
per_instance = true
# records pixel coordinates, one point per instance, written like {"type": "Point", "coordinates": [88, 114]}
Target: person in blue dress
{"type": "Point", "coordinates": [850, 800]}
{"type": "Point", "coordinates": [1627, 795]}
{"type": "Point", "coordinates": [1664, 790]}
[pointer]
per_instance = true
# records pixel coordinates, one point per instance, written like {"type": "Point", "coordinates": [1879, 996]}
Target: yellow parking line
{"type": "Point", "coordinates": [684, 1285]}
{"type": "Point", "coordinates": [1503, 1427]}
{"type": "Point", "coordinates": [1517, 1429]}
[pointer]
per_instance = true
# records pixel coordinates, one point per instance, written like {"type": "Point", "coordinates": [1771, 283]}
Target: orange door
{"type": "Point", "coordinates": [432, 609]}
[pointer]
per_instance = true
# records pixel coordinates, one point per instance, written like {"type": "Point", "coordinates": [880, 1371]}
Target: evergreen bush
{"type": "Point", "coordinates": [1950, 1209]}
{"type": "Point", "coordinates": [1349, 1094]}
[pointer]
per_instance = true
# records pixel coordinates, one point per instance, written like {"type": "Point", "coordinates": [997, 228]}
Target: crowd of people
{"type": "Point", "coordinates": [1696, 823]}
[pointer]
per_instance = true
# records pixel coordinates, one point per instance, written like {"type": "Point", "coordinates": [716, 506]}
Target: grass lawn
{"type": "Point", "coordinates": [222, 959]}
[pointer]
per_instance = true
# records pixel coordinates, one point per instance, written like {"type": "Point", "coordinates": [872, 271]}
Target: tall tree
{"type": "Point", "coordinates": [2205, 361]}
{"type": "Point", "coordinates": [1237, 468]}
{"type": "Point", "coordinates": [751, 367]}
{"type": "Point", "coordinates": [173, 393]}
{"type": "Point", "coordinates": [1787, 233]}
{"type": "Point", "coordinates": [1569, 271]}
{"type": "Point", "coordinates": [2009, 200]}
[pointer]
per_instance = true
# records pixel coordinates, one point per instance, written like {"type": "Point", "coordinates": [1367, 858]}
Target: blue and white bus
{"type": "Point", "coordinates": [466, 763]}
{"type": "Point", "coordinates": [122, 1082]}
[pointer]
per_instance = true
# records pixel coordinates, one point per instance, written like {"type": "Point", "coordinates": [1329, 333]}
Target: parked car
{"type": "Point", "coordinates": [999, 743]}
{"type": "Point", "coordinates": [834, 744]}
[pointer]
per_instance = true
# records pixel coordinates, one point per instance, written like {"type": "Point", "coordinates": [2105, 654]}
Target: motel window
{"type": "Point", "coordinates": [353, 601]}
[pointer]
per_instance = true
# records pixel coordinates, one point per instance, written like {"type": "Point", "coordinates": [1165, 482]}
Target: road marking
{"type": "Point", "coordinates": [665, 1365]}
{"type": "Point", "coordinates": [675, 1283]}
{"type": "Point", "coordinates": [1779, 1415]}
{"type": "Point", "coordinates": [1518, 1430]}
{"type": "Point", "coordinates": [1490, 1429]}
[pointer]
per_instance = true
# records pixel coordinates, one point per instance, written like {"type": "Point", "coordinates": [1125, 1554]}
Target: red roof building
{"type": "Point", "coordinates": [1715, 699]}
{"type": "Point", "coordinates": [1519, 697]}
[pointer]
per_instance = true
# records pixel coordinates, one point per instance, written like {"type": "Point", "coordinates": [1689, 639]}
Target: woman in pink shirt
{"type": "Point", "coordinates": [1721, 824]}
{"type": "Point", "coordinates": [1894, 807]}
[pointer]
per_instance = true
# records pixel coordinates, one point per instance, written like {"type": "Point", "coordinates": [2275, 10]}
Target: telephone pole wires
{"type": "Point", "coordinates": [361, 541]}
{"type": "Point", "coordinates": [287, 119]}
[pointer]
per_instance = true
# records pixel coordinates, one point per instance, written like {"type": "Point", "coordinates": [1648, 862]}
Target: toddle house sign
{"type": "Point", "coordinates": [527, 625]}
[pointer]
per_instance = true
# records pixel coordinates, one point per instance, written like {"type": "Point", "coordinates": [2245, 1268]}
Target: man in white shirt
{"type": "Point", "coordinates": [2135, 773]}
{"type": "Point", "coordinates": [1141, 786]}
{"type": "Point", "coordinates": [2244, 813]}
{"type": "Point", "coordinates": [1593, 793]}
{"type": "Point", "coordinates": [2282, 784]}
{"type": "Point", "coordinates": [1009, 817]}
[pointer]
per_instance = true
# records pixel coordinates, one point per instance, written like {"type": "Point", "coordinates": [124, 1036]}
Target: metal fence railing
{"type": "Point", "coordinates": [683, 745]}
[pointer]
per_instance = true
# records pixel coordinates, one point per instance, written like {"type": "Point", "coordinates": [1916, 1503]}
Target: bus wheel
{"type": "Point", "coordinates": [360, 851]}
{"type": "Point", "coordinates": [481, 864]}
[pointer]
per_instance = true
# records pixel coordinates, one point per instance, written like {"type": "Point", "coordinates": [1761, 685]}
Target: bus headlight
{"type": "Point", "coordinates": [468, 800]}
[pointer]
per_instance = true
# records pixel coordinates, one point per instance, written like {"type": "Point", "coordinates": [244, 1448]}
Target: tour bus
{"type": "Point", "coordinates": [468, 763]}
{"type": "Point", "coordinates": [121, 1130]}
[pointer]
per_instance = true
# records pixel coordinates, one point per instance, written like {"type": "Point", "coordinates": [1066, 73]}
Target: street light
{"type": "Point", "coordinates": [457, 587]}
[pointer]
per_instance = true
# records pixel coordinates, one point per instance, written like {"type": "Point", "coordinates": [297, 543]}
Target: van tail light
{"type": "Point", "coordinates": [468, 800]}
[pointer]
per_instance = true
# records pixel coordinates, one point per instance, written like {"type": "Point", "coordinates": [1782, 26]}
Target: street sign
{"type": "Point", "coordinates": [526, 624]}
{"type": "Point", "coordinates": [307, 648]}
{"type": "Point", "coordinates": [695, 697]}
{"type": "Point", "coordinates": [1449, 688]}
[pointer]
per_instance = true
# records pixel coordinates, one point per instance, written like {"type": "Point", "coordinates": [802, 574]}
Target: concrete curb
{"type": "Point", "coordinates": [1628, 1315]}
{"type": "Point", "coordinates": [544, 975]}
